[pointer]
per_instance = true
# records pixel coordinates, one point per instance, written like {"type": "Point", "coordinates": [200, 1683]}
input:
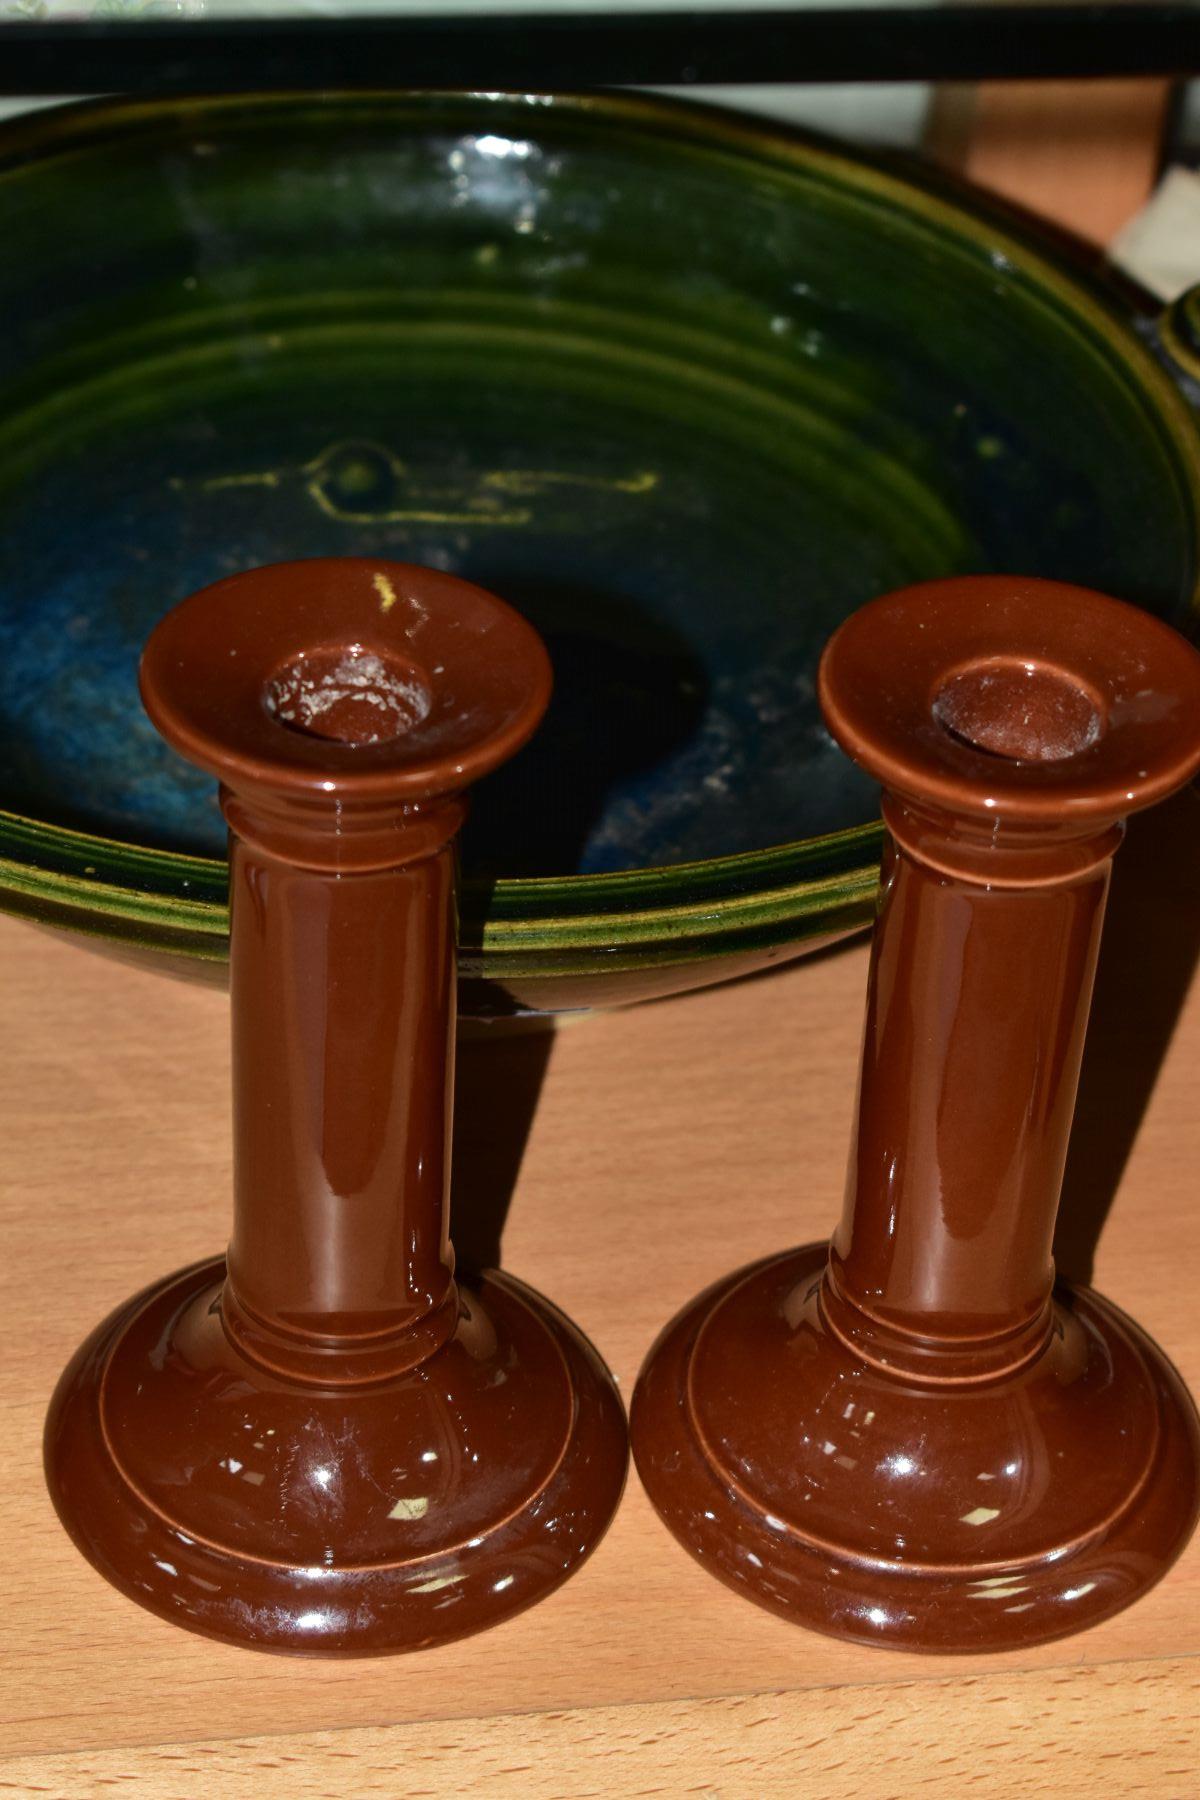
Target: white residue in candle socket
{"type": "Point", "coordinates": [304, 697]}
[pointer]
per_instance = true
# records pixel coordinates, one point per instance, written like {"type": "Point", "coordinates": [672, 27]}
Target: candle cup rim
{"type": "Point", "coordinates": [478, 678]}
{"type": "Point", "coordinates": [885, 671]}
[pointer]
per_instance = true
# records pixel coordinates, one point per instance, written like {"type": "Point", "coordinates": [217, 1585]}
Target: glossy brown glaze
{"type": "Point", "coordinates": [912, 1438]}
{"type": "Point", "coordinates": [328, 1443]}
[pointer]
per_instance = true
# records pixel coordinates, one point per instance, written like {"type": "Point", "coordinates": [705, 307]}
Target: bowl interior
{"type": "Point", "coordinates": [683, 398]}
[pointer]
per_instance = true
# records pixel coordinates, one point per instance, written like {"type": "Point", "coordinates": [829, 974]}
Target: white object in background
{"type": "Point", "coordinates": [886, 112]}
{"type": "Point", "coordinates": [51, 11]}
{"type": "Point", "coordinates": [1160, 247]}
{"type": "Point", "coordinates": [889, 114]}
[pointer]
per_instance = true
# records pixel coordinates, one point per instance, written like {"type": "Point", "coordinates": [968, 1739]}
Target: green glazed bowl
{"type": "Point", "coordinates": [685, 388]}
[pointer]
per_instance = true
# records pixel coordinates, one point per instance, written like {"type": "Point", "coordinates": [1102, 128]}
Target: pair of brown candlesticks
{"type": "Point", "coordinates": [327, 1442]}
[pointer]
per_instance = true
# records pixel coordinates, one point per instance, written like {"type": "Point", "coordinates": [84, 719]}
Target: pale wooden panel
{"type": "Point", "coordinates": [1065, 1733]}
{"type": "Point", "coordinates": [1084, 154]}
{"type": "Point", "coordinates": [669, 1143]}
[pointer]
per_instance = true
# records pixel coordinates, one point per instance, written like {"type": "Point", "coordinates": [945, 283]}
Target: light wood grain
{"type": "Point", "coordinates": [1084, 154]}
{"type": "Point", "coordinates": [988, 1737]}
{"type": "Point", "coordinates": [669, 1143]}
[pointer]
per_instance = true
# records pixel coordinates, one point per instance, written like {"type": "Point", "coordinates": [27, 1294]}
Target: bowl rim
{"type": "Point", "coordinates": [567, 924]}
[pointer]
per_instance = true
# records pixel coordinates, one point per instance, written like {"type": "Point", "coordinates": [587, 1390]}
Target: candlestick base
{"type": "Point", "coordinates": [353, 1520]}
{"type": "Point", "coordinates": [890, 1510]}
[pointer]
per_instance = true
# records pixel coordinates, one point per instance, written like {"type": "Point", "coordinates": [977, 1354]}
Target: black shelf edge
{"type": "Point", "coordinates": [532, 53]}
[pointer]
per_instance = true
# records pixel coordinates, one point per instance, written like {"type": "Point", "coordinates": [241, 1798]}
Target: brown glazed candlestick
{"type": "Point", "coordinates": [330, 1444]}
{"type": "Point", "coordinates": [907, 1440]}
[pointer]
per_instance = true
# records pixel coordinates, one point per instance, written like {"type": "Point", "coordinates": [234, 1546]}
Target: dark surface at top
{"type": "Point", "coordinates": [532, 51]}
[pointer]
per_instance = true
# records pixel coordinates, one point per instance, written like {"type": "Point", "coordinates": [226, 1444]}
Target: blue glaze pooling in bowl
{"type": "Point", "coordinates": [684, 723]}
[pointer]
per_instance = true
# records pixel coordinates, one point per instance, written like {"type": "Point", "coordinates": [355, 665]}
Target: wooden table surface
{"type": "Point", "coordinates": [637, 1156]}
